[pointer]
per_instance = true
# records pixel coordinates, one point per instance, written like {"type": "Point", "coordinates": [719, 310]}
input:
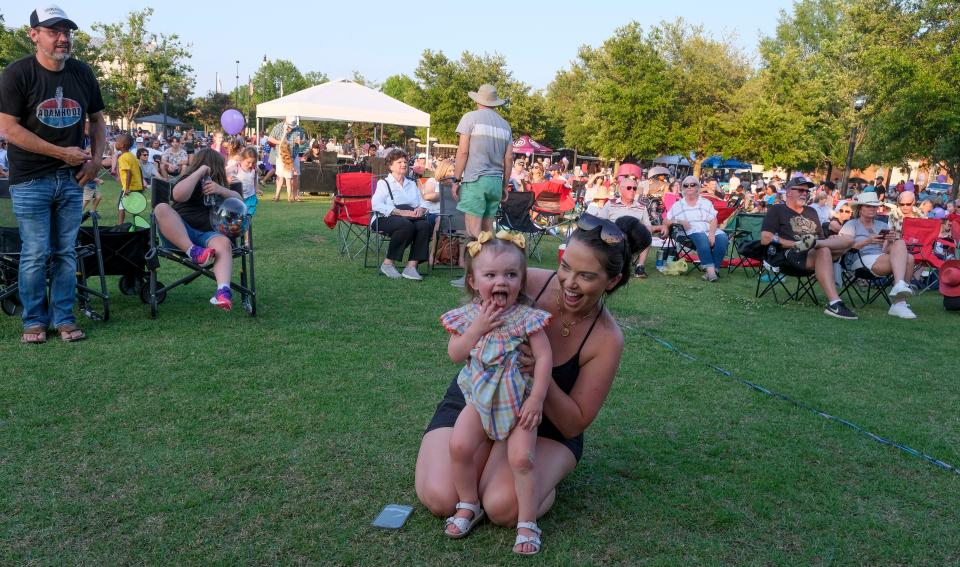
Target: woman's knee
{"type": "Point", "coordinates": [500, 504]}
{"type": "Point", "coordinates": [437, 497]}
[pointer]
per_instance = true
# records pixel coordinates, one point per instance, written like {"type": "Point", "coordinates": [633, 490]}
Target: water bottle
{"type": "Point", "coordinates": [660, 260]}
{"type": "Point", "coordinates": [208, 200]}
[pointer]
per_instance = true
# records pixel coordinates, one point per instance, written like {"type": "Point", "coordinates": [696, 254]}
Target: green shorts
{"type": "Point", "coordinates": [481, 198]}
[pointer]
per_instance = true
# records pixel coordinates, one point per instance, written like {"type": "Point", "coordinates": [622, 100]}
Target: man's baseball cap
{"type": "Point", "coordinates": [50, 15]}
{"type": "Point", "coordinates": [799, 181]}
{"type": "Point", "coordinates": [139, 139]}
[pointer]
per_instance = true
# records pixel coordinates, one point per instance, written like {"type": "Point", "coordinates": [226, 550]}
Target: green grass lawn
{"type": "Point", "coordinates": [213, 437]}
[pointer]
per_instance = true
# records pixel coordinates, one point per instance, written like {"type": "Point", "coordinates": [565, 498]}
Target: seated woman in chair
{"type": "Point", "coordinates": [401, 216]}
{"type": "Point", "coordinates": [699, 220]}
{"type": "Point", "coordinates": [186, 224]}
{"type": "Point", "coordinates": [880, 251]}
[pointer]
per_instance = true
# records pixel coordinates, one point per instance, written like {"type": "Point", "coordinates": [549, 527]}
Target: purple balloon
{"type": "Point", "coordinates": [232, 121]}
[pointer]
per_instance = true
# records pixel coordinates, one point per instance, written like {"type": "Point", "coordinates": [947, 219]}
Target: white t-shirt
{"type": "Point", "coordinates": [698, 215]}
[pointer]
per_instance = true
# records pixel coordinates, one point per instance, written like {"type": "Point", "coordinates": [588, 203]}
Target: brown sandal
{"type": "Point", "coordinates": [70, 333]}
{"type": "Point", "coordinates": [35, 335]}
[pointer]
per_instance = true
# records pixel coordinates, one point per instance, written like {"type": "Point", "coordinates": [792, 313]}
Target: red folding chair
{"type": "Point", "coordinates": [920, 235]}
{"type": "Point", "coordinates": [552, 201]}
{"type": "Point", "coordinates": [351, 210]}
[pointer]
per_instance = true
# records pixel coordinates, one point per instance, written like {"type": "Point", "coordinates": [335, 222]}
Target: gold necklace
{"type": "Point", "coordinates": [567, 325]}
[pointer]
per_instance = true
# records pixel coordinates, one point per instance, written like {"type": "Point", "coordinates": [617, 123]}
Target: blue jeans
{"type": "Point", "coordinates": [710, 258]}
{"type": "Point", "coordinates": [48, 211]}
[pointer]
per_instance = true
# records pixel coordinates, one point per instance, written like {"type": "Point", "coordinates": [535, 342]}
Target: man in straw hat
{"type": "Point", "coordinates": [881, 252]}
{"type": "Point", "coordinates": [483, 164]}
{"type": "Point", "coordinates": [795, 227]}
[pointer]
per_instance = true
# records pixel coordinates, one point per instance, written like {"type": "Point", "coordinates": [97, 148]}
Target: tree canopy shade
{"type": "Point", "coordinates": [345, 101]}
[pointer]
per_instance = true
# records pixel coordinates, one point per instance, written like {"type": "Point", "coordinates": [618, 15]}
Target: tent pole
{"type": "Point", "coordinates": [428, 146]}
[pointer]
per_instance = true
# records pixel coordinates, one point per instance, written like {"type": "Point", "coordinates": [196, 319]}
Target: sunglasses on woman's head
{"type": "Point", "coordinates": [610, 233]}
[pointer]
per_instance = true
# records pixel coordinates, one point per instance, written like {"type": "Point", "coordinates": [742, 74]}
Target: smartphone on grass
{"type": "Point", "coordinates": [393, 516]}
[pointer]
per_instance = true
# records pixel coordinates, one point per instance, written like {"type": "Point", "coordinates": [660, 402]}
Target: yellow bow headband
{"type": "Point", "coordinates": [474, 247]}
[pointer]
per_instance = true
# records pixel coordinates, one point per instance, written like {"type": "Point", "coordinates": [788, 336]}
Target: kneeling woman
{"type": "Point", "coordinates": [186, 224]}
{"type": "Point", "coordinates": [585, 338]}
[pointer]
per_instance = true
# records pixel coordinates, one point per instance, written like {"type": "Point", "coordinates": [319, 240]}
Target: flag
{"type": "Point", "coordinates": [219, 86]}
{"type": "Point", "coordinates": [250, 86]}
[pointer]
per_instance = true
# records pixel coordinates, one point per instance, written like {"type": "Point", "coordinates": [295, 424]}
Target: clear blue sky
{"type": "Point", "coordinates": [379, 39]}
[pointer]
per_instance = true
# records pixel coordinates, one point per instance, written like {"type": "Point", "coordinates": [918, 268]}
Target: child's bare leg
{"type": "Point", "coordinates": [521, 451]}
{"type": "Point", "coordinates": [223, 263]}
{"type": "Point", "coordinates": [171, 227]}
{"type": "Point", "coordinates": [468, 435]}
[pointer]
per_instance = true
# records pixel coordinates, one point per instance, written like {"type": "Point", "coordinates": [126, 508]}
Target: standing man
{"type": "Point", "coordinates": [484, 161]}
{"type": "Point", "coordinates": [483, 164]}
{"type": "Point", "coordinates": [45, 99]}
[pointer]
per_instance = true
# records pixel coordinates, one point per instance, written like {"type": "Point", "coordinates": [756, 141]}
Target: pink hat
{"type": "Point", "coordinates": [950, 278]}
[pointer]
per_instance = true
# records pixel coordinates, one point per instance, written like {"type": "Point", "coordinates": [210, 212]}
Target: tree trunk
{"type": "Point", "coordinates": [954, 170]}
{"type": "Point", "coordinates": [697, 162]}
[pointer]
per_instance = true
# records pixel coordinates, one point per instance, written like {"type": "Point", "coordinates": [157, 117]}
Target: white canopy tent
{"type": "Point", "coordinates": [345, 101]}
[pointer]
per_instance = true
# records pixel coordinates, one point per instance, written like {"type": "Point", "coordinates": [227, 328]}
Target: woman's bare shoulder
{"type": "Point", "coordinates": [536, 279]}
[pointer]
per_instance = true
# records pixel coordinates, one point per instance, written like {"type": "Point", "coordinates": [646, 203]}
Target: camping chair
{"type": "Point", "coordinates": [451, 225]}
{"type": "Point", "coordinates": [775, 278]}
{"type": "Point", "coordinates": [679, 245]}
{"type": "Point", "coordinates": [88, 256]}
{"type": "Point", "coordinates": [920, 235]}
{"type": "Point", "coordinates": [877, 286]}
{"type": "Point", "coordinates": [242, 247]}
{"type": "Point", "coordinates": [553, 200]}
{"type": "Point", "coordinates": [350, 212]}
{"type": "Point", "coordinates": [743, 228]}
{"type": "Point", "coordinates": [514, 214]}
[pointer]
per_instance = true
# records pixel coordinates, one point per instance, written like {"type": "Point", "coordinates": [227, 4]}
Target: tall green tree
{"type": "Point", "coordinates": [909, 51]}
{"type": "Point", "coordinates": [208, 109]}
{"type": "Point", "coordinates": [626, 98]}
{"type": "Point", "coordinates": [705, 74]}
{"type": "Point", "coordinates": [134, 63]}
{"type": "Point", "coordinates": [797, 110]}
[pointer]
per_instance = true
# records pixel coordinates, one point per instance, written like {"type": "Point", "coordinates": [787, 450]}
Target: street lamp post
{"type": "Point", "coordinates": [165, 91]}
{"type": "Point", "coordinates": [238, 82]}
{"type": "Point", "coordinates": [858, 104]}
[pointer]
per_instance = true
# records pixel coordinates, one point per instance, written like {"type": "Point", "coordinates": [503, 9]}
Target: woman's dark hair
{"type": "Point", "coordinates": [395, 154]}
{"type": "Point", "coordinates": [617, 258]}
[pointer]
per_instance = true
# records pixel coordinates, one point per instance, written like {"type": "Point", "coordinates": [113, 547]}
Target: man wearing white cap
{"type": "Point", "coordinates": [45, 100]}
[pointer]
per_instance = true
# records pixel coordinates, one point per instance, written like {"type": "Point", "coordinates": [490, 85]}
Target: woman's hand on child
{"type": "Point", "coordinates": [526, 360]}
{"type": "Point", "coordinates": [531, 413]}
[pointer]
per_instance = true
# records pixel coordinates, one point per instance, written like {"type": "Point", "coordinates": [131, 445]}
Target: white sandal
{"type": "Point", "coordinates": [463, 524]}
{"type": "Point", "coordinates": [534, 539]}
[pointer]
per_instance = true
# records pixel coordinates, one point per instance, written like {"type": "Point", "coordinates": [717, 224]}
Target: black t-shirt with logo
{"type": "Point", "coordinates": [790, 225]}
{"type": "Point", "coordinates": [52, 104]}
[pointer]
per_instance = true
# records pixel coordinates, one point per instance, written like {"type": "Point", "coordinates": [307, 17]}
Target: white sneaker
{"type": "Point", "coordinates": [390, 271]}
{"type": "Point", "coordinates": [902, 310]}
{"type": "Point", "coordinates": [901, 290]}
{"type": "Point", "coordinates": [411, 273]}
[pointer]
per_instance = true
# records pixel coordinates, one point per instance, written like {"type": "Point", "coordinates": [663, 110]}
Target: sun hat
{"type": "Point", "coordinates": [290, 119]}
{"type": "Point", "coordinates": [867, 198]}
{"type": "Point", "coordinates": [486, 95]}
{"type": "Point", "coordinates": [50, 15]}
{"type": "Point", "coordinates": [658, 170]}
{"type": "Point", "coordinates": [602, 194]}
{"type": "Point", "coordinates": [950, 278]}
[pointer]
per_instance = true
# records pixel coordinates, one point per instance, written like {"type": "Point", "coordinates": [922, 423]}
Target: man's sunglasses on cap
{"type": "Point", "coordinates": [610, 233]}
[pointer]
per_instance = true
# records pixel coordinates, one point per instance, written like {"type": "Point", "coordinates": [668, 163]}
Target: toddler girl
{"type": "Point", "coordinates": [501, 401]}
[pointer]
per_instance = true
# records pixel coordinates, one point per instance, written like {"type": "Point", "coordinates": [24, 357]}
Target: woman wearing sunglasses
{"type": "Point", "coordinates": [587, 343]}
{"type": "Point", "coordinates": [699, 220]}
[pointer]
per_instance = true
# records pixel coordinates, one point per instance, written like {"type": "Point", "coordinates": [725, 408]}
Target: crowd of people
{"type": "Point", "coordinates": [539, 348]}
